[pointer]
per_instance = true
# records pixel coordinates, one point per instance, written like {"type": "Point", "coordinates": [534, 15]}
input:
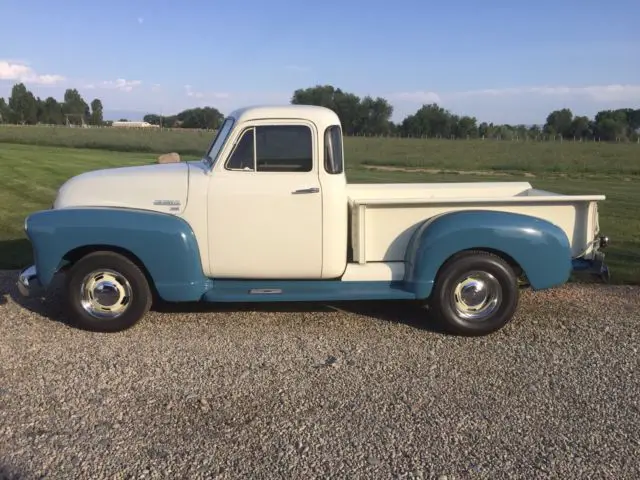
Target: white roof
{"type": "Point", "coordinates": [316, 113]}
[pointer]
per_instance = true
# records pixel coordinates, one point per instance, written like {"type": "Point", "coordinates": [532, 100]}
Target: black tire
{"type": "Point", "coordinates": [131, 288]}
{"type": "Point", "coordinates": [497, 273]}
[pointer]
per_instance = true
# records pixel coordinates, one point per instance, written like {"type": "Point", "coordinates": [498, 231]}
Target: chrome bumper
{"type": "Point", "coordinates": [28, 283]}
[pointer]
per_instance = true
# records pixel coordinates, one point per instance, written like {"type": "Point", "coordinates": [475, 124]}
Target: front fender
{"type": "Point", "coordinates": [541, 248]}
{"type": "Point", "coordinates": [164, 243]}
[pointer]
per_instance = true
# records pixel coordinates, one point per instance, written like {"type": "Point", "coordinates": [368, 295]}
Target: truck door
{"type": "Point", "coordinates": [265, 204]}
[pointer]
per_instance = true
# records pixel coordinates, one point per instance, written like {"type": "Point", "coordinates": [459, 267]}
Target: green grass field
{"type": "Point", "coordinates": [35, 161]}
{"type": "Point", "coordinates": [572, 158]}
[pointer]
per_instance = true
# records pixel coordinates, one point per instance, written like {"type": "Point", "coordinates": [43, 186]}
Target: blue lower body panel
{"type": "Point", "coordinates": [337, 290]}
{"type": "Point", "coordinates": [304, 290]}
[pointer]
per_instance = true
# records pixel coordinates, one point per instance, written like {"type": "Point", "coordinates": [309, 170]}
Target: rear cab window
{"type": "Point", "coordinates": [333, 153]}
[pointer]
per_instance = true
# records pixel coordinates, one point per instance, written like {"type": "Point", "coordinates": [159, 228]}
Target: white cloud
{"type": "Point", "coordinates": [600, 93]}
{"type": "Point", "coordinates": [614, 93]}
{"type": "Point", "coordinates": [524, 104]}
{"type": "Point", "coordinates": [22, 72]}
{"type": "Point", "coordinates": [169, 103]}
{"type": "Point", "coordinates": [118, 84]}
{"type": "Point", "coordinates": [190, 92]}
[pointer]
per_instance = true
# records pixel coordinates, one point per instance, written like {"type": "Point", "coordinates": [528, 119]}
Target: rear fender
{"type": "Point", "coordinates": [539, 247]}
{"type": "Point", "coordinates": [165, 244]}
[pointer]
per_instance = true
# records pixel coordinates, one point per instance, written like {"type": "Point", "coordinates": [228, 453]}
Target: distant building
{"type": "Point", "coordinates": [132, 124]}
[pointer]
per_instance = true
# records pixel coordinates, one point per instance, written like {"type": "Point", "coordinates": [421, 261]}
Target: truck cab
{"type": "Point", "coordinates": [276, 196]}
{"type": "Point", "coordinates": [267, 214]}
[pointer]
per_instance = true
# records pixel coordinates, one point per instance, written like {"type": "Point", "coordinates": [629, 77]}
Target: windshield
{"type": "Point", "coordinates": [216, 145]}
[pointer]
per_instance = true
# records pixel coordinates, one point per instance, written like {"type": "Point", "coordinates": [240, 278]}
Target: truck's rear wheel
{"type": "Point", "coordinates": [106, 292]}
{"type": "Point", "coordinates": [475, 293]}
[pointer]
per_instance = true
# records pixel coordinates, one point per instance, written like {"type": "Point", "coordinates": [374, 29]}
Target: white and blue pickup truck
{"type": "Point", "coordinates": [267, 215]}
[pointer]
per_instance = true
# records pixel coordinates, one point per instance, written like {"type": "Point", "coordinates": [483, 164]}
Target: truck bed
{"type": "Point", "coordinates": [383, 216]}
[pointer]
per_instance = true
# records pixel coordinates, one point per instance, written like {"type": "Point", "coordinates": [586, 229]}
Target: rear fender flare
{"type": "Point", "coordinates": [539, 247]}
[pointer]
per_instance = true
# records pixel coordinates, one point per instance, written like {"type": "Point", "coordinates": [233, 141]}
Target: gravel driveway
{"type": "Point", "coordinates": [361, 390]}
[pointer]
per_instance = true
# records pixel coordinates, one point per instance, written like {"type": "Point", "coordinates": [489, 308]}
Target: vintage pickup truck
{"type": "Point", "coordinates": [267, 215]}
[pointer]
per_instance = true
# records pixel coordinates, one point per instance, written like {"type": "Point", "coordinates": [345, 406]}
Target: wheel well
{"type": "Point", "coordinates": [515, 266]}
{"type": "Point", "coordinates": [76, 254]}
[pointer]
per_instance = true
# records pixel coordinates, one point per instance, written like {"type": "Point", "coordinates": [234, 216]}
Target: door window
{"type": "Point", "coordinates": [274, 148]}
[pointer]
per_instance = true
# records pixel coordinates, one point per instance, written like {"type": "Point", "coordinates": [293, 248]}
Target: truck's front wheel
{"type": "Point", "coordinates": [106, 292]}
{"type": "Point", "coordinates": [475, 293]}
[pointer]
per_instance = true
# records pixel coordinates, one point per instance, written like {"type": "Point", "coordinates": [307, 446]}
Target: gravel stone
{"type": "Point", "coordinates": [234, 391]}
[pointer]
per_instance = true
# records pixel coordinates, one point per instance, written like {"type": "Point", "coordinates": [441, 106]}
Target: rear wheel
{"type": "Point", "coordinates": [475, 293]}
{"type": "Point", "coordinates": [106, 292]}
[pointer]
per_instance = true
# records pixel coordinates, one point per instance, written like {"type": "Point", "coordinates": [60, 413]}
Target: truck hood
{"type": "Point", "coordinates": [158, 187]}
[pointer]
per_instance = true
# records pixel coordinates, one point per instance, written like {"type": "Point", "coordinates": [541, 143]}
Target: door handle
{"type": "Point", "coordinates": [306, 190]}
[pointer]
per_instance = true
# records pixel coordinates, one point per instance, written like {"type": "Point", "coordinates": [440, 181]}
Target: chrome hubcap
{"type": "Point", "coordinates": [477, 295]}
{"type": "Point", "coordinates": [105, 294]}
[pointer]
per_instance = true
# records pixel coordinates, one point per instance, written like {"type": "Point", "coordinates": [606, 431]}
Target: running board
{"type": "Point", "coordinates": [304, 290]}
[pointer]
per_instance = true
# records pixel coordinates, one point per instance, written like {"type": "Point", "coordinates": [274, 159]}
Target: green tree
{"type": "Point", "coordinates": [521, 131]}
{"type": "Point", "coordinates": [374, 116]}
{"type": "Point", "coordinates": [633, 119]}
{"type": "Point", "coordinates": [4, 111]}
{"type": "Point", "coordinates": [321, 95]}
{"type": "Point", "coordinates": [366, 116]}
{"type": "Point", "coordinates": [581, 127]}
{"type": "Point", "coordinates": [168, 122]}
{"type": "Point", "coordinates": [51, 112]}
{"type": "Point", "coordinates": [486, 130]}
{"type": "Point", "coordinates": [153, 119]}
{"type": "Point", "coordinates": [204, 118]}
{"type": "Point", "coordinates": [505, 132]}
{"type": "Point", "coordinates": [610, 130]}
{"type": "Point", "coordinates": [611, 124]}
{"type": "Point", "coordinates": [430, 120]}
{"type": "Point", "coordinates": [23, 105]}
{"type": "Point", "coordinates": [559, 122]}
{"type": "Point", "coordinates": [75, 106]}
{"type": "Point", "coordinates": [466, 127]}
{"type": "Point", "coordinates": [96, 112]}
{"type": "Point", "coordinates": [534, 131]}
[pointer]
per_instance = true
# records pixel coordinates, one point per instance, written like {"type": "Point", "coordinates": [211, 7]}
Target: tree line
{"type": "Point", "coordinates": [203, 118]}
{"type": "Point", "coordinates": [372, 116]}
{"type": "Point", "coordinates": [24, 108]}
{"type": "Point", "coordinates": [365, 116]}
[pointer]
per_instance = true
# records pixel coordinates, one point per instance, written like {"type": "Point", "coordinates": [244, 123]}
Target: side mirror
{"type": "Point", "coordinates": [172, 157]}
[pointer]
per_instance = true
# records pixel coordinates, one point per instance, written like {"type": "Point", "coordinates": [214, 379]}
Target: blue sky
{"type": "Point", "coordinates": [502, 61]}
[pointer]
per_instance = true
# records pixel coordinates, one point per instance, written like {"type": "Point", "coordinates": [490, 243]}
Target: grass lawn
{"type": "Point", "coordinates": [30, 176]}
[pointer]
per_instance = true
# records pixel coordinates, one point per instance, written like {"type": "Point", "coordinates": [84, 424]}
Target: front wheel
{"type": "Point", "coordinates": [475, 293]}
{"type": "Point", "coordinates": [106, 292]}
